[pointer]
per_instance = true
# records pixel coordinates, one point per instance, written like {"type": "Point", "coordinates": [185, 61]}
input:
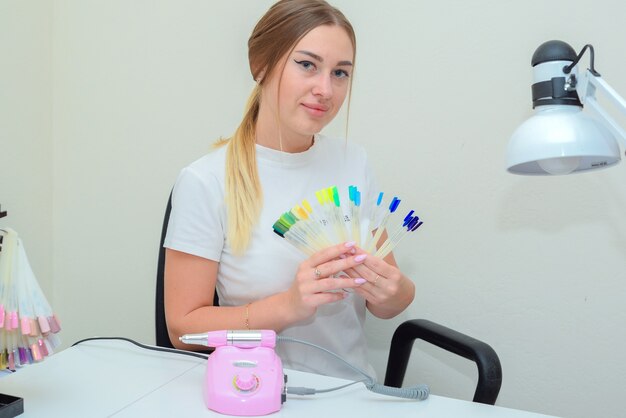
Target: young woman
{"type": "Point", "coordinates": [220, 235]}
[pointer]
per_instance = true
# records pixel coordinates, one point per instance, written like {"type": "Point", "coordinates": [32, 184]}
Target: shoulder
{"type": "Point", "coordinates": [210, 166]}
{"type": "Point", "coordinates": [204, 174]}
{"type": "Point", "coordinates": [211, 163]}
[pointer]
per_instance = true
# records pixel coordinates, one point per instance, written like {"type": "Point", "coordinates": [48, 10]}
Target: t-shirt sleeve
{"type": "Point", "coordinates": [196, 222]}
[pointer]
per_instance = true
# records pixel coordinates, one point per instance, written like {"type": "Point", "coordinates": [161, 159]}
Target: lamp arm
{"type": "Point", "coordinates": [589, 85]}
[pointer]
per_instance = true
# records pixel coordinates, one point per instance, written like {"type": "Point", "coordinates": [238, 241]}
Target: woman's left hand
{"type": "Point", "coordinates": [387, 290]}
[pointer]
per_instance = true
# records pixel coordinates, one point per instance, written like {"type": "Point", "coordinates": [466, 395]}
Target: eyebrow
{"type": "Point", "coordinates": [320, 59]}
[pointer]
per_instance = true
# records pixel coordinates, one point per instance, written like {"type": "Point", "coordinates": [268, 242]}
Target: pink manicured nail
{"type": "Point", "coordinates": [34, 348]}
{"type": "Point", "coordinates": [44, 326]}
{"type": "Point", "coordinates": [34, 327]}
{"type": "Point", "coordinates": [360, 280]}
{"type": "Point", "coordinates": [360, 257]}
{"type": "Point", "coordinates": [25, 325]}
{"type": "Point", "coordinates": [42, 348]}
{"type": "Point", "coordinates": [54, 324]}
{"type": "Point", "coordinates": [15, 321]}
{"type": "Point", "coordinates": [350, 244]}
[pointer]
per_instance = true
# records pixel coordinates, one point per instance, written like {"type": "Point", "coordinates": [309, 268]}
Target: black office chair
{"type": "Point", "coordinates": [486, 359]}
{"type": "Point", "coordinates": [162, 336]}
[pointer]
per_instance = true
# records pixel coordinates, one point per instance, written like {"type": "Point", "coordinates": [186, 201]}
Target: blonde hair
{"type": "Point", "coordinates": [275, 35]}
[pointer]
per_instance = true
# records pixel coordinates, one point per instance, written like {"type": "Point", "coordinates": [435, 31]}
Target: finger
{"type": "Point", "coordinates": [364, 271]}
{"type": "Point", "coordinates": [351, 273]}
{"type": "Point", "coordinates": [334, 284]}
{"type": "Point", "coordinates": [331, 253]}
{"type": "Point", "coordinates": [327, 297]}
{"type": "Point", "coordinates": [317, 272]}
{"type": "Point", "coordinates": [376, 264]}
{"type": "Point", "coordinates": [336, 266]}
{"type": "Point", "coordinates": [365, 293]}
{"type": "Point", "coordinates": [370, 287]}
{"type": "Point", "coordinates": [376, 272]}
{"type": "Point", "coordinates": [375, 288]}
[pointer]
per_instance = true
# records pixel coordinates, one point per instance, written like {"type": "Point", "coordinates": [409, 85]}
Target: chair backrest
{"type": "Point", "coordinates": [162, 336]}
{"type": "Point", "coordinates": [486, 359]}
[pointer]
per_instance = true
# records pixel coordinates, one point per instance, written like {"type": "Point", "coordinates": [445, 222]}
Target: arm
{"type": "Point", "coordinates": [190, 286]}
{"type": "Point", "coordinates": [189, 289]}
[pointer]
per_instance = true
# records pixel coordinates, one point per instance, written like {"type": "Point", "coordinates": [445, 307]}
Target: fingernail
{"type": "Point", "coordinates": [360, 257]}
{"type": "Point", "coordinates": [350, 244]}
{"type": "Point", "coordinates": [359, 280]}
{"type": "Point", "coordinates": [342, 256]}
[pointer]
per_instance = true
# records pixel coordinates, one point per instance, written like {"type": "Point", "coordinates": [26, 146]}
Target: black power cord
{"type": "Point", "coordinates": [147, 347]}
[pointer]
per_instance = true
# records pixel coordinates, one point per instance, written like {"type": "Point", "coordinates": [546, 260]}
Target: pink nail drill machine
{"type": "Point", "coordinates": [244, 376]}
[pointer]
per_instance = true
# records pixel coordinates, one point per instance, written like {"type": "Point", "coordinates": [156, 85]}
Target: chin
{"type": "Point", "coordinates": [312, 129]}
{"type": "Point", "coordinates": [306, 127]}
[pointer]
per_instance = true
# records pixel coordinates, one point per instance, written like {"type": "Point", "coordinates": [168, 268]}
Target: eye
{"type": "Point", "coordinates": [341, 74]}
{"type": "Point", "coordinates": [306, 65]}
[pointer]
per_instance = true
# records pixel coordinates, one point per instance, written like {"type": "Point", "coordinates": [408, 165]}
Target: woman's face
{"type": "Point", "coordinates": [314, 82]}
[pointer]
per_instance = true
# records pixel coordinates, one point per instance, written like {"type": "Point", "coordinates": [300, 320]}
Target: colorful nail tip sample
{"type": "Point", "coordinates": [310, 228]}
{"type": "Point", "coordinates": [28, 327]}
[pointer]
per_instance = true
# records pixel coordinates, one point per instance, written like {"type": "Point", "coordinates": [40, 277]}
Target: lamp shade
{"type": "Point", "coordinates": [561, 140]}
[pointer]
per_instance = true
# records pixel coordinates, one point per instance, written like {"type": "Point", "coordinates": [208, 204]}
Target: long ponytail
{"type": "Point", "coordinates": [244, 196]}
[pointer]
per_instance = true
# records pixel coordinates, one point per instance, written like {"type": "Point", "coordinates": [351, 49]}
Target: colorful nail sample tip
{"type": "Point", "coordinates": [310, 228]}
{"type": "Point", "coordinates": [28, 327]}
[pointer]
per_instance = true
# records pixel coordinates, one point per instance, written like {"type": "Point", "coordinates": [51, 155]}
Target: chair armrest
{"type": "Point", "coordinates": [486, 359]}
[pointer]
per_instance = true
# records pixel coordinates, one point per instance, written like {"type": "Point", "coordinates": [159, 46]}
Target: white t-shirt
{"type": "Point", "coordinates": [198, 226]}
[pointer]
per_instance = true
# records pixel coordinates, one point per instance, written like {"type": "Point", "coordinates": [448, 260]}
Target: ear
{"type": "Point", "coordinates": [260, 77]}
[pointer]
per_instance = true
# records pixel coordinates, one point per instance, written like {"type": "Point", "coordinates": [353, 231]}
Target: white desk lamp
{"type": "Point", "coordinates": [560, 138]}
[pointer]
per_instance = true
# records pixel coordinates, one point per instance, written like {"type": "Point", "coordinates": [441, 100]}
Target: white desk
{"type": "Point", "coordinates": [116, 378]}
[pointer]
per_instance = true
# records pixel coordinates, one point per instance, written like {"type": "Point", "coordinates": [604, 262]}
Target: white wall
{"type": "Point", "coordinates": [533, 266]}
{"type": "Point", "coordinates": [26, 129]}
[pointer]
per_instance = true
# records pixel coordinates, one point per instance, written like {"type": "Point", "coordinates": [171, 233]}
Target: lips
{"type": "Point", "coordinates": [315, 108]}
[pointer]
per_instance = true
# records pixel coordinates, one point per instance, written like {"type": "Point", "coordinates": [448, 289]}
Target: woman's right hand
{"type": "Point", "coordinates": [316, 282]}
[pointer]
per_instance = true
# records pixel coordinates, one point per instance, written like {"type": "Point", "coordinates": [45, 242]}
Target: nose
{"type": "Point", "coordinates": [323, 87]}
